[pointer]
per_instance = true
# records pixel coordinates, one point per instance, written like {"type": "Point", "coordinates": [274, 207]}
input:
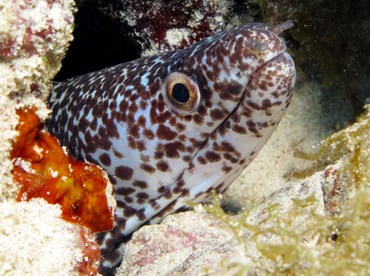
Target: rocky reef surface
{"type": "Point", "coordinates": [35, 238]}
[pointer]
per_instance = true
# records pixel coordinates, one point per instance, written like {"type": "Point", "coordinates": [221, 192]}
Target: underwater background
{"type": "Point", "coordinates": [301, 207]}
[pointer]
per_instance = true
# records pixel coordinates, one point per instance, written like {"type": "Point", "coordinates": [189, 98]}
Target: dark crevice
{"type": "Point", "coordinates": [99, 42]}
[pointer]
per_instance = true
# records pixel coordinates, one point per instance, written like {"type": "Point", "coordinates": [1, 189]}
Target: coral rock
{"type": "Point", "coordinates": [189, 243]}
{"type": "Point", "coordinates": [34, 240]}
{"type": "Point", "coordinates": [169, 25]}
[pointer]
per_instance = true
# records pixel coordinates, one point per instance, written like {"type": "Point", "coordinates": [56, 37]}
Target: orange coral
{"type": "Point", "coordinates": [45, 170]}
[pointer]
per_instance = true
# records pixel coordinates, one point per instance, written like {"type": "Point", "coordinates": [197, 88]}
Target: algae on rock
{"type": "Point", "coordinates": [295, 232]}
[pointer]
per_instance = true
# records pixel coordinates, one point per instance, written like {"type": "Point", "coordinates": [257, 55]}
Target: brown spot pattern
{"type": "Point", "coordinates": [165, 133]}
{"type": "Point", "coordinates": [123, 172]}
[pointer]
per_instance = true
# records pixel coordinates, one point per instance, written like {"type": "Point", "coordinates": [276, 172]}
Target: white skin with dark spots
{"type": "Point", "coordinates": [164, 146]}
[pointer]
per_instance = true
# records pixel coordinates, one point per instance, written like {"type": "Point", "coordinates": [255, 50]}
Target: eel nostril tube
{"type": "Point", "coordinates": [281, 27]}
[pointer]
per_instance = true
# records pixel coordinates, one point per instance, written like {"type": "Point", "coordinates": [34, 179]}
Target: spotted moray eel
{"type": "Point", "coordinates": [170, 128]}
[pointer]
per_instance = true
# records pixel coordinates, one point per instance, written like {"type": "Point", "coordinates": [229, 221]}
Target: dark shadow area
{"type": "Point", "coordinates": [99, 42]}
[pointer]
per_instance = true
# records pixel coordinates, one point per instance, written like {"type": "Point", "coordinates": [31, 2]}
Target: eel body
{"type": "Point", "coordinates": [171, 128]}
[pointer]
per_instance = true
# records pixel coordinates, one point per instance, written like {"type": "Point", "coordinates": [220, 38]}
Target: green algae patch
{"type": "Point", "coordinates": [352, 145]}
{"type": "Point", "coordinates": [321, 245]}
{"type": "Point", "coordinates": [325, 231]}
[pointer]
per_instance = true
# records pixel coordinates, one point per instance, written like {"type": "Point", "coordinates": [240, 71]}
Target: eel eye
{"type": "Point", "coordinates": [181, 93]}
